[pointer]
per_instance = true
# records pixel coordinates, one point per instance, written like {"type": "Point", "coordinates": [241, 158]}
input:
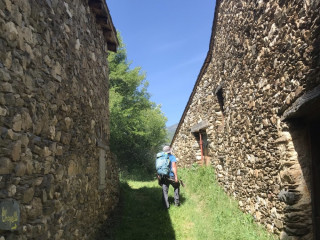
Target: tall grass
{"type": "Point", "coordinates": [206, 212]}
{"type": "Point", "coordinates": [214, 214]}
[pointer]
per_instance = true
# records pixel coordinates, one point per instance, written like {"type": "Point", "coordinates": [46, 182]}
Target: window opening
{"type": "Point", "coordinates": [202, 140]}
{"type": "Point", "coordinates": [219, 93]}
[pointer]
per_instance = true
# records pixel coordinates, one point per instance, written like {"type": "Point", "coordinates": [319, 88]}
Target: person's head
{"type": "Point", "coordinates": [167, 149]}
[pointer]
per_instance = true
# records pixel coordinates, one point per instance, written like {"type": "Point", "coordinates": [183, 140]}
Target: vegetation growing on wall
{"type": "Point", "coordinates": [137, 124]}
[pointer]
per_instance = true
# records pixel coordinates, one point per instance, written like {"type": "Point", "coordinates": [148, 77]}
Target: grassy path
{"type": "Point", "coordinates": [206, 213]}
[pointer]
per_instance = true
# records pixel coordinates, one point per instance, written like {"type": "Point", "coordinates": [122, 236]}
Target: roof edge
{"type": "Point", "coordinates": [103, 18]}
{"type": "Point", "coordinates": [203, 68]}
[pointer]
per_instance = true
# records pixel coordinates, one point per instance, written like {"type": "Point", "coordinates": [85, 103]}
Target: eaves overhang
{"type": "Point", "coordinates": [306, 106]}
{"type": "Point", "coordinates": [103, 18]}
{"type": "Point", "coordinates": [200, 126]}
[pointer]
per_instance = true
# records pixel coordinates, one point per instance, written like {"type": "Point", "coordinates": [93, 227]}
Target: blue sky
{"type": "Point", "coordinates": [169, 40]}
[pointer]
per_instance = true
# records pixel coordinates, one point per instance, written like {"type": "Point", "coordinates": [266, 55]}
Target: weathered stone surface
{"type": "Point", "coordinates": [12, 189]}
{"type": "Point", "coordinates": [16, 151]}
{"type": "Point", "coordinates": [34, 211]}
{"type": "Point", "coordinates": [3, 111]}
{"type": "Point", "coordinates": [17, 123]}
{"type": "Point", "coordinates": [50, 52]}
{"type": "Point", "coordinates": [6, 166]}
{"type": "Point", "coordinates": [20, 169]}
{"type": "Point", "coordinates": [26, 121]}
{"type": "Point", "coordinates": [261, 59]}
{"type": "Point", "coordinates": [28, 195]}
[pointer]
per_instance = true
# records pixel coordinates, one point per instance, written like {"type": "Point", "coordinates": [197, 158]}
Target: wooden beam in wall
{"type": "Point", "coordinates": [96, 6]}
{"type": "Point", "coordinates": [103, 22]}
{"type": "Point", "coordinates": [107, 33]}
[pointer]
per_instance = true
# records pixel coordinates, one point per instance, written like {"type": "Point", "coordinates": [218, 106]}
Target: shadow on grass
{"type": "Point", "coordinates": [140, 215]}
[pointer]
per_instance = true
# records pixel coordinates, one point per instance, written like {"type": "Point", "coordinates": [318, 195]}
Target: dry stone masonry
{"type": "Point", "coordinates": [58, 179]}
{"type": "Point", "coordinates": [254, 112]}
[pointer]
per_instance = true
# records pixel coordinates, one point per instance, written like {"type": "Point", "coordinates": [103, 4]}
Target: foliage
{"type": "Point", "coordinates": [137, 124]}
{"type": "Point", "coordinates": [171, 131]}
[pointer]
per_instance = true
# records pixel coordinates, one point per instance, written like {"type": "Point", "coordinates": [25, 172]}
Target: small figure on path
{"type": "Point", "coordinates": [166, 165]}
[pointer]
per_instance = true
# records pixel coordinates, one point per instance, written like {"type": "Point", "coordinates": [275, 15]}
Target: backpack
{"type": "Point", "coordinates": [163, 164]}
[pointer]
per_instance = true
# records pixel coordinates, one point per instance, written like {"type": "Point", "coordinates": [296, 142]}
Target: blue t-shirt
{"type": "Point", "coordinates": [172, 159]}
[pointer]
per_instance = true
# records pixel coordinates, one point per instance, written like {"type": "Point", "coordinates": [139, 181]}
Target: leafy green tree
{"type": "Point", "coordinates": [137, 124]}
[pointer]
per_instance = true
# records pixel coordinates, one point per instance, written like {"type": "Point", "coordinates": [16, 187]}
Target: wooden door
{"type": "Point", "coordinates": [205, 148]}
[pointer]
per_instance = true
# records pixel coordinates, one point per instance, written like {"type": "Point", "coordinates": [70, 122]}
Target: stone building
{"type": "Point", "coordinates": [254, 112]}
{"type": "Point", "coordinates": [58, 179]}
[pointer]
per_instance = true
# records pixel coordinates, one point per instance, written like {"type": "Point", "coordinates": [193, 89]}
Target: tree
{"type": "Point", "coordinates": [137, 124]}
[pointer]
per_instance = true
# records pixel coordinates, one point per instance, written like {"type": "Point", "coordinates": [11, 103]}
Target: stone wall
{"type": "Point", "coordinates": [263, 56]}
{"type": "Point", "coordinates": [55, 164]}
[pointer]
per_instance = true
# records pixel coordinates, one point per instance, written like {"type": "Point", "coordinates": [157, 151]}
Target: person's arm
{"type": "Point", "coordinates": [174, 170]}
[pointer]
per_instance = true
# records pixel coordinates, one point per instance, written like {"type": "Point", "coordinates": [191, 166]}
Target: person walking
{"type": "Point", "coordinates": [172, 179]}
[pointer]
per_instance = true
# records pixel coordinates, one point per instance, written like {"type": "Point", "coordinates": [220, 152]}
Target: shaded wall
{"type": "Point", "coordinates": [55, 161]}
{"type": "Point", "coordinates": [263, 56]}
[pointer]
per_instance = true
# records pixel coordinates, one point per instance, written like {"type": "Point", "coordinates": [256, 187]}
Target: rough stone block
{"type": "Point", "coordinates": [6, 87]}
{"type": "Point", "coordinates": [20, 169]}
{"type": "Point", "coordinates": [36, 209]}
{"type": "Point", "coordinates": [16, 151]}
{"type": "Point", "coordinates": [11, 32]}
{"type": "Point", "coordinates": [3, 112]}
{"type": "Point", "coordinates": [12, 189]}
{"type": "Point", "coordinates": [6, 166]}
{"type": "Point", "coordinates": [28, 195]}
{"type": "Point", "coordinates": [26, 121]}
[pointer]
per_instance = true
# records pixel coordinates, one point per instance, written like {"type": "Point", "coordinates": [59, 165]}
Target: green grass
{"type": "Point", "coordinates": [206, 212]}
